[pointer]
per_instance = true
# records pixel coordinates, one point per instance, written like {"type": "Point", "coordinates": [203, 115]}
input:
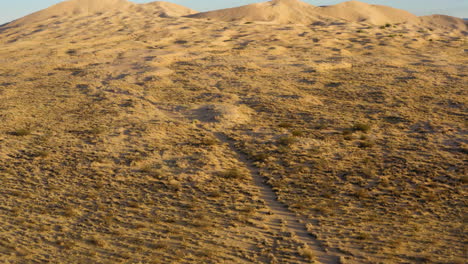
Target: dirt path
{"type": "Point", "coordinates": [281, 215]}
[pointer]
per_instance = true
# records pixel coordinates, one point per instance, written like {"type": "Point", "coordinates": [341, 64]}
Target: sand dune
{"type": "Point", "coordinates": [298, 12]}
{"type": "Point", "coordinates": [355, 11]}
{"type": "Point", "coordinates": [276, 11]}
{"type": "Point", "coordinates": [91, 7]}
{"type": "Point", "coordinates": [445, 22]}
{"type": "Point", "coordinates": [74, 8]}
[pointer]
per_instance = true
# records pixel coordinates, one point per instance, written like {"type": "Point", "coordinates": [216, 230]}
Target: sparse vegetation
{"type": "Point", "coordinates": [232, 173]}
{"type": "Point", "coordinates": [361, 127]}
{"type": "Point", "coordinates": [286, 140]}
{"type": "Point", "coordinates": [307, 253]}
{"type": "Point", "coordinates": [22, 132]}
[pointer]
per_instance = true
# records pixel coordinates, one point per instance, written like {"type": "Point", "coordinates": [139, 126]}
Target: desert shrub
{"type": "Point", "coordinates": [261, 157]}
{"type": "Point", "coordinates": [363, 236]}
{"type": "Point", "coordinates": [285, 125]}
{"type": "Point", "coordinates": [366, 143]}
{"type": "Point", "coordinates": [306, 252]}
{"type": "Point", "coordinates": [21, 132]}
{"type": "Point", "coordinates": [287, 140]}
{"type": "Point", "coordinates": [180, 41]}
{"type": "Point", "coordinates": [298, 133]}
{"type": "Point", "coordinates": [209, 141]}
{"type": "Point", "coordinates": [232, 173]}
{"type": "Point", "coordinates": [361, 127]}
{"type": "Point", "coordinates": [97, 130]}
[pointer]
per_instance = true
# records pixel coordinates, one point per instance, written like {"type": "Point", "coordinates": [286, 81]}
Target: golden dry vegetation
{"type": "Point", "coordinates": [138, 139]}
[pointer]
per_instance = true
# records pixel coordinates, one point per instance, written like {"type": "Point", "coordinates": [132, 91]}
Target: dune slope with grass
{"type": "Point", "coordinates": [134, 135]}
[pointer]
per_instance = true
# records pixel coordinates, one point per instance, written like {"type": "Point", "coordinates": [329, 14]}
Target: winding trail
{"type": "Point", "coordinates": [281, 215]}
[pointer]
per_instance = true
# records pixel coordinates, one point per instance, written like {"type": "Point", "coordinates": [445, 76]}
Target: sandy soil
{"type": "Point", "coordinates": [135, 136]}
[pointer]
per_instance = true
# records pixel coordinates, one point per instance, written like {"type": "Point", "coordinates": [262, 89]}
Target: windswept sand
{"type": "Point", "coordinates": [132, 135]}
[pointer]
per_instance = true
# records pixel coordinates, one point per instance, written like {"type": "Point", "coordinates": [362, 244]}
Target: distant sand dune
{"type": "Point", "coordinates": [91, 7]}
{"type": "Point", "coordinates": [277, 11]}
{"type": "Point", "coordinates": [355, 11]}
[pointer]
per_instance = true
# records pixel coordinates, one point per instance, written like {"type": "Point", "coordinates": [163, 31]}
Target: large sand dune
{"type": "Point", "coordinates": [276, 11]}
{"type": "Point", "coordinates": [129, 134]}
{"type": "Point", "coordinates": [296, 11]}
{"type": "Point", "coordinates": [355, 11]}
{"type": "Point", "coordinates": [78, 8]}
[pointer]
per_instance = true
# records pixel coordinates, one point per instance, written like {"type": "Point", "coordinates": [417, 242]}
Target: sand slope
{"type": "Point", "coordinates": [277, 11]}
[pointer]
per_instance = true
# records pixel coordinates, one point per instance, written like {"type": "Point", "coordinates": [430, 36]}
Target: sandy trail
{"type": "Point", "coordinates": [281, 215]}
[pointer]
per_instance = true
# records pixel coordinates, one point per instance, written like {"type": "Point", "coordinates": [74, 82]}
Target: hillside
{"type": "Point", "coordinates": [133, 135]}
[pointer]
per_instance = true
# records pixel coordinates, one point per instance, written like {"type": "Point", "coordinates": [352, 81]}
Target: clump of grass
{"type": "Point", "coordinates": [261, 157]}
{"type": "Point", "coordinates": [180, 42]}
{"type": "Point", "coordinates": [361, 127]}
{"type": "Point", "coordinates": [97, 130]}
{"type": "Point", "coordinates": [152, 170]}
{"type": "Point", "coordinates": [464, 179]}
{"type": "Point", "coordinates": [363, 236]}
{"type": "Point", "coordinates": [286, 140]}
{"type": "Point", "coordinates": [97, 242]}
{"type": "Point", "coordinates": [285, 125]}
{"type": "Point", "coordinates": [232, 173]}
{"type": "Point", "coordinates": [41, 154]}
{"type": "Point", "coordinates": [362, 193]}
{"type": "Point", "coordinates": [307, 253]}
{"type": "Point", "coordinates": [22, 132]}
{"type": "Point", "coordinates": [209, 141]}
{"type": "Point", "coordinates": [366, 143]}
{"type": "Point", "coordinates": [298, 133]}
{"type": "Point", "coordinates": [66, 244]}
{"type": "Point", "coordinates": [70, 212]}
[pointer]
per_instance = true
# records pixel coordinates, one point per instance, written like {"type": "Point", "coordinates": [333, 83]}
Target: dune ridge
{"type": "Point", "coordinates": [298, 12]}
{"type": "Point", "coordinates": [274, 11]}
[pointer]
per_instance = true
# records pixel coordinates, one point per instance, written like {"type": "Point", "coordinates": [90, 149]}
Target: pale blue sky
{"type": "Point", "coordinates": [13, 9]}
